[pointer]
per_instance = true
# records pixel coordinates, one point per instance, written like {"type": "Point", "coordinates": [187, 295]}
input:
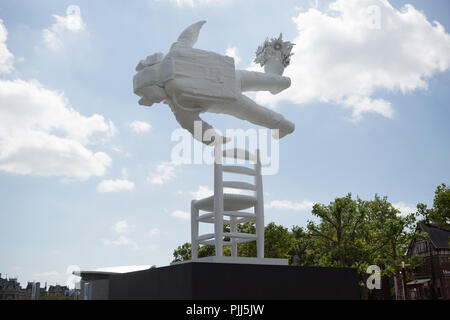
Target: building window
{"type": "Point", "coordinates": [420, 247]}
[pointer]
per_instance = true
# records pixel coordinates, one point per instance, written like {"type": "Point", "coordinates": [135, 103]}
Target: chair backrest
{"type": "Point", "coordinates": [236, 217]}
{"type": "Point", "coordinates": [241, 154]}
{"type": "Point", "coordinates": [254, 171]}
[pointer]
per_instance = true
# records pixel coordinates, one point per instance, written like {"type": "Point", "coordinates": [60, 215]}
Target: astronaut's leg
{"type": "Point", "coordinates": [191, 121]}
{"type": "Point", "coordinates": [259, 81]}
{"type": "Point", "coordinates": [246, 109]}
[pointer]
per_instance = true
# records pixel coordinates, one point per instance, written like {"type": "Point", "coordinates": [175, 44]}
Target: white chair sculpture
{"type": "Point", "coordinates": [224, 208]}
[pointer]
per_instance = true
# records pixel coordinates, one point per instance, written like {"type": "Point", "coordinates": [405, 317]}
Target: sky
{"type": "Point", "coordinates": [86, 174]}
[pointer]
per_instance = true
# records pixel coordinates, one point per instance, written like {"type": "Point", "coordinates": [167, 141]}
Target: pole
{"type": "Point", "coordinates": [395, 286]}
{"type": "Point", "coordinates": [218, 200]}
{"type": "Point", "coordinates": [259, 209]}
{"type": "Point", "coordinates": [405, 295]}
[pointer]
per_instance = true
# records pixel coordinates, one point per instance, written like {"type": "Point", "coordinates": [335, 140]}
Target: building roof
{"type": "Point", "coordinates": [3, 282]}
{"type": "Point", "coordinates": [112, 270]}
{"type": "Point", "coordinates": [439, 237]}
{"type": "Point", "coordinates": [10, 284]}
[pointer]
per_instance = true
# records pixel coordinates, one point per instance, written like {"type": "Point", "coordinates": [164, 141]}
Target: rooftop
{"type": "Point", "coordinates": [439, 237]}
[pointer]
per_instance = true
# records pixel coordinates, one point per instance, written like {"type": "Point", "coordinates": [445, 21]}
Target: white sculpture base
{"type": "Point", "coordinates": [238, 260]}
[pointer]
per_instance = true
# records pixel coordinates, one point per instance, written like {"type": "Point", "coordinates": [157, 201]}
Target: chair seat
{"type": "Point", "coordinates": [232, 202]}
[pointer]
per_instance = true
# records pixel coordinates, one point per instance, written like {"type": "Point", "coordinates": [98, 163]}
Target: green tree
{"type": "Point", "coordinates": [182, 253]}
{"type": "Point", "coordinates": [278, 241]}
{"type": "Point", "coordinates": [387, 235]}
{"type": "Point", "coordinates": [337, 234]}
{"type": "Point", "coordinates": [278, 244]}
{"type": "Point", "coordinates": [440, 213]}
{"type": "Point", "coordinates": [304, 251]}
{"type": "Point", "coordinates": [247, 249]}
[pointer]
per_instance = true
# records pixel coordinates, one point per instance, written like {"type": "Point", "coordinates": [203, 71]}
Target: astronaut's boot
{"type": "Point", "coordinates": [283, 128]}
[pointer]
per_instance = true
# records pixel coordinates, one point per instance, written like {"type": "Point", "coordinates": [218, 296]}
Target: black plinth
{"type": "Point", "coordinates": [218, 281]}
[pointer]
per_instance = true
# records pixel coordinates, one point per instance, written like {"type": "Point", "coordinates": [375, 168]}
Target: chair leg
{"type": "Point", "coordinates": [218, 209]}
{"type": "Point", "coordinates": [259, 210]}
{"type": "Point", "coordinates": [233, 228]}
{"type": "Point", "coordinates": [218, 231]}
{"type": "Point", "coordinates": [194, 231]}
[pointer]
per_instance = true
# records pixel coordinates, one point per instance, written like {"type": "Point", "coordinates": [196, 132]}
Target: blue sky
{"type": "Point", "coordinates": [82, 183]}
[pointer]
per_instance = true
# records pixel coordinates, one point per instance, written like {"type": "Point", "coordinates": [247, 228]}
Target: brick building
{"type": "Point", "coordinates": [432, 277]}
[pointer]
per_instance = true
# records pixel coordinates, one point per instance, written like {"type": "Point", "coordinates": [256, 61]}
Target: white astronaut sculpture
{"type": "Point", "coordinates": [192, 81]}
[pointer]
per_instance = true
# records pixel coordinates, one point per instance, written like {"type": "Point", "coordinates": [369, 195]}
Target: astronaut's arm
{"type": "Point", "coordinates": [259, 81]}
{"type": "Point", "coordinates": [200, 130]}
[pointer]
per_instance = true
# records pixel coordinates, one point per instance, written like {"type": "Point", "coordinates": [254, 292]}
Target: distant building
{"type": "Point", "coordinates": [432, 278]}
{"type": "Point", "coordinates": [42, 291]}
{"type": "Point", "coordinates": [58, 291]}
{"type": "Point", "coordinates": [10, 289]}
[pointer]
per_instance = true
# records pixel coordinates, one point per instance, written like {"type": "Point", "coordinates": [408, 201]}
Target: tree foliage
{"type": "Point", "coordinates": [349, 233]}
{"type": "Point", "coordinates": [278, 244]}
{"type": "Point", "coordinates": [357, 233]}
{"type": "Point", "coordinates": [337, 233]}
{"type": "Point", "coordinates": [440, 213]}
{"type": "Point", "coordinates": [304, 251]}
{"type": "Point", "coordinates": [346, 232]}
{"type": "Point", "coordinates": [182, 253]}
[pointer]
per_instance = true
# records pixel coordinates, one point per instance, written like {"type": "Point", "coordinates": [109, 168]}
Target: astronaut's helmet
{"type": "Point", "coordinates": [147, 80]}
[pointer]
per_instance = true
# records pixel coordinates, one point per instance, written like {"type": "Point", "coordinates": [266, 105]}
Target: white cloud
{"type": "Point", "coordinates": [41, 134]}
{"type": "Point", "coordinates": [202, 192]}
{"type": "Point", "coordinates": [404, 208]}
{"type": "Point", "coordinates": [181, 215]}
{"type": "Point", "coordinates": [234, 53]}
{"type": "Point", "coordinates": [6, 57]}
{"type": "Point", "coordinates": [140, 127]}
{"type": "Point", "coordinates": [342, 57]}
{"type": "Point", "coordinates": [121, 227]}
{"type": "Point", "coordinates": [120, 150]}
{"type": "Point", "coordinates": [165, 171]}
{"type": "Point", "coordinates": [63, 27]}
{"type": "Point", "coordinates": [289, 205]}
{"type": "Point", "coordinates": [154, 232]}
{"type": "Point", "coordinates": [115, 186]}
{"type": "Point", "coordinates": [121, 241]}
